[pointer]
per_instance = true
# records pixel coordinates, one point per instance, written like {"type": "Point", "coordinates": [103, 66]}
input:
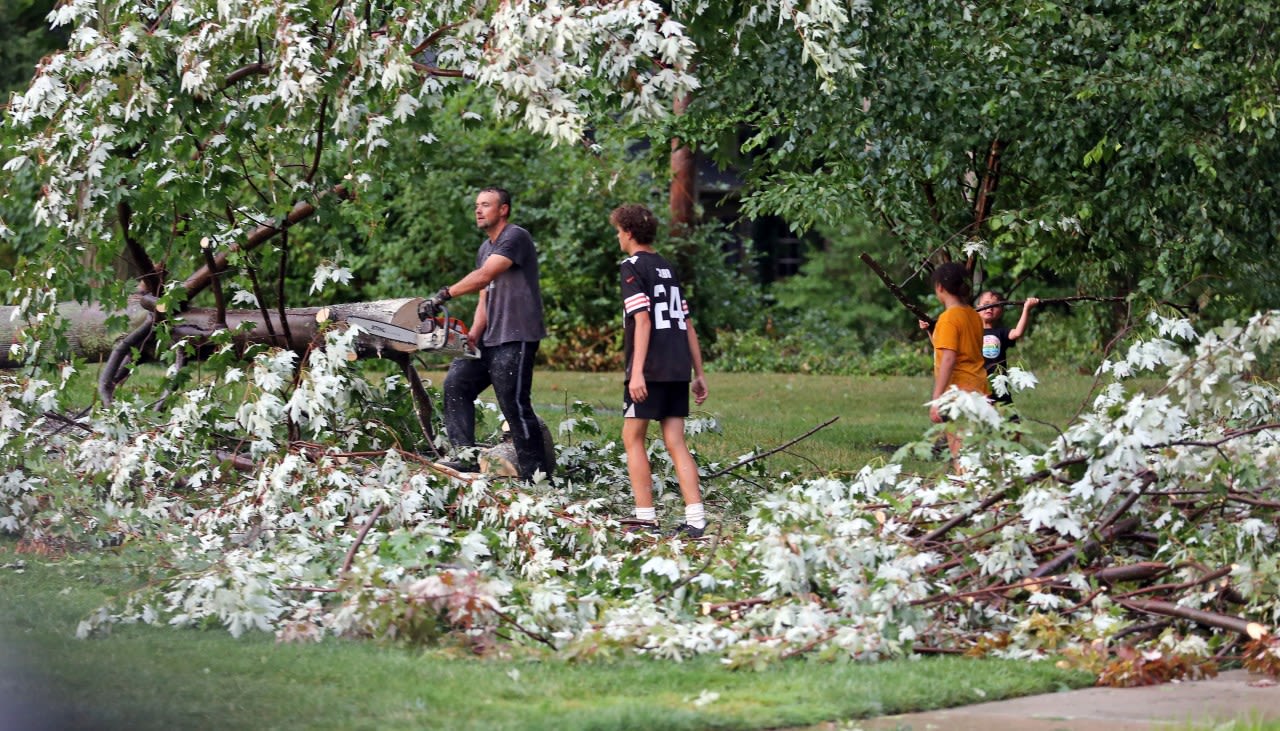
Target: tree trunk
{"type": "Point", "coordinates": [684, 180]}
{"type": "Point", "coordinates": [88, 332]}
{"type": "Point", "coordinates": [91, 338]}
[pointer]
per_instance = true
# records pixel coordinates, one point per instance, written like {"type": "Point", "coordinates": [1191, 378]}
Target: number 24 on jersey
{"type": "Point", "coordinates": [668, 307]}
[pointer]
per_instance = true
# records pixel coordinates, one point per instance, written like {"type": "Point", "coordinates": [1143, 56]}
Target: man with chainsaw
{"type": "Point", "coordinates": [507, 329]}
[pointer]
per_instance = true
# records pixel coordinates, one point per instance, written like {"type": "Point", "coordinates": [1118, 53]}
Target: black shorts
{"type": "Point", "coordinates": [666, 399]}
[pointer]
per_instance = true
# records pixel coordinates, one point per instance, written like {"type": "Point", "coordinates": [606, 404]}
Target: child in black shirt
{"type": "Point", "coordinates": [997, 339]}
{"type": "Point", "coordinates": [661, 350]}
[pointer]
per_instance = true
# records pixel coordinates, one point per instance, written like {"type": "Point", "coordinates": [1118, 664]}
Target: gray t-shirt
{"type": "Point", "coordinates": [514, 300]}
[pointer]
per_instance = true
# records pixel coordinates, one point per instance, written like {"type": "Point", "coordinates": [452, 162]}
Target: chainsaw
{"type": "Point", "coordinates": [441, 334]}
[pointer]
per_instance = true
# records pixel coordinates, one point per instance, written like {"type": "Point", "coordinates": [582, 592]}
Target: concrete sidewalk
{"type": "Point", "coordinates": [1233, 695]}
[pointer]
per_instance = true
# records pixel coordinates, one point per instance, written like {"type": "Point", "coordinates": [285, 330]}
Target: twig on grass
{"type": "Point", "coordinates": [793, 652]}
{"type": "Point", "coordinates": [743, 479]}
{"type": "Point", "coordinates": [756, 457]}
{"type": "Point", "coordinates": [522, 630]}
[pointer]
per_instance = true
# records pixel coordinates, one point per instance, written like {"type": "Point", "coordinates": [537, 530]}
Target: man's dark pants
{"type": "Point", "coordinates": [509, 369]}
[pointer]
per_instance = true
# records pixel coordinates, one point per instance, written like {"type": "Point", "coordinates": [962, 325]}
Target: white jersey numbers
{"type": "Point", "coordinates": [649, 284]}
{"type": "Point", "coordinates": [668, 307]}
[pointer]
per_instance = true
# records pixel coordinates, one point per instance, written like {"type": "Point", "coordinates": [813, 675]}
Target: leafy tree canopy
{"type": "Point", "coordinates": [1130, 144]}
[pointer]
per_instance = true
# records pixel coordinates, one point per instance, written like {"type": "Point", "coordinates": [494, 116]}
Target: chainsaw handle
{"type": "Point", "coordinates": [443, 320]}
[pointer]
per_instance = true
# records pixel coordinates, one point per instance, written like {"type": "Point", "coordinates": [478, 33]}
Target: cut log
{"type": "Point", "coordinates": [500, 459]}
{"type": "Point", "coordinates": [91, 338]}
{"type": "Point", "coordinates": [89, 334]}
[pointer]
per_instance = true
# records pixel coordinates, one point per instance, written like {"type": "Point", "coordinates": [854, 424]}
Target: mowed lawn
{"type": "Point", "coordinates": [876, 415]}
{"type": "Point", "coordinates": [145, 677]}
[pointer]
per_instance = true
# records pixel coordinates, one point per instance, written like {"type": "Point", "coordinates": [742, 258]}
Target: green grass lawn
{"type": "Point", "coordinates": [876, 414]}
{"type": "Point", "coordinates": [146, 677]}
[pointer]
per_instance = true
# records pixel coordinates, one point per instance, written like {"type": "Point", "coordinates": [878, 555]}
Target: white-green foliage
{"type": "Point", "coordinates": [142, 78]}
{"type": "Point", "coordinates": [826, 565]}
{"type": "Point", "coordinates": [207, 117]}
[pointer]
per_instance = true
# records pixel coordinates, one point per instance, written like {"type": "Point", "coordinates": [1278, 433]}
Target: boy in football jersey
{"type": "Point", "coordinates": [661, 351]}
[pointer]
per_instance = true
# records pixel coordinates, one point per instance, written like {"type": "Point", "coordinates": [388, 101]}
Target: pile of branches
{"type": "Point", "coordinates": [1149, 521]}
{"type": "Point", "coordinates": [1137, 544]}
{"type": "Point", "coordinates": [1123, 565]}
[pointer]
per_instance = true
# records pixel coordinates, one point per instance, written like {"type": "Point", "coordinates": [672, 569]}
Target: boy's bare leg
{"type": "Point", "coordinates": [638, 469]}
{"type": "Point", "coordinates": [686, 468]}
{"type": "Point", "coordinates": [954, 442]}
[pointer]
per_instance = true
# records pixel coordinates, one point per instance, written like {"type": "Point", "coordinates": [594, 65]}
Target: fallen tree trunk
{"type": "Point", "coordinates": [91, 335]}
{"type": "Point", "coordinates": [304, 324]}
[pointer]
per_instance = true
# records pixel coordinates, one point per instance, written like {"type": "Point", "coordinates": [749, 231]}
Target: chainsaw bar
{"type": "Point", "coordinates": [437, 339]}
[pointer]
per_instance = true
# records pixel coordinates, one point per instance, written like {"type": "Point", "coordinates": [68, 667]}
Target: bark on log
{"type": "Point", "coordinates": [501, 460]}
{"type": "Point", "coordinates": [91, 338]}
{"type": "Point", "coordinates": [1132, 572]}
{"type": "Point", "coordinates": [1227, 622]}
{"type": "Point", "coordinates": [88, 333]}
{"type": "Point", "coordinates": [304, 328]}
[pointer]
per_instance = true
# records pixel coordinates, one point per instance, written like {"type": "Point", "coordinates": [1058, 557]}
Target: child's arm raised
{"type": "Point", "coordinates": [928, 329]}
{"type": "Point", "coordinates": [1021, 327]}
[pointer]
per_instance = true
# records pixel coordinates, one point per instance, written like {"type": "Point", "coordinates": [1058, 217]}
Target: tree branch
{"type": "Point", "coordinates": [1053, 301]}
{"type": "Point", "coordinates": [434, 71]}
{"type": "Point", "coordinates": [421, 399]}
{"type": "Point", "coordinates": [1211, 619]}
{"type": "Point", "coordinates": [986, 192]}
{"type": "Point", "coordinates": [221, 317]}
{"type": "Point", "coordinates": [364, 531]}
{"type": "Point", "coordinates": [1179, 586]}
{"type": "Point", "coordinates": [1086, 549]}
{"type": "Point", "coordinates": [259, 68]}
{"type": "Point", "coordinates": [252, 271]}
{"type": "Point", "coordinates": [150, 280]}
{"type": "Point", "coordinates": [898, 293]}
{"type": "Point", "coordinates": [756, 457]}
{"type": "Point", "coordinates": [315, 161]}
{"type": "Point", "coordinates": [283, 269]}
{"type": "Point", "coordinates": [431, 38]}
{"type": "Point", "coordinates": [201, 279]}
{"type": "Point", "coordinates": [114, 370]}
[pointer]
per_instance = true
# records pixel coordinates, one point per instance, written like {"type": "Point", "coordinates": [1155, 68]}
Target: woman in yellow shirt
{"type": "Point", "coordinates": [957, 343]}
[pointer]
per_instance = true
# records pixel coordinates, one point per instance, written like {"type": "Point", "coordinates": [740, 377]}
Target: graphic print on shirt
{"type": "Point", "coordinates": [990, 346]}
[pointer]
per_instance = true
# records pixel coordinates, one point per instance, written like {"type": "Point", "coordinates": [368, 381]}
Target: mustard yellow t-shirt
{"type": "Point", "coordinates": [960, 329]}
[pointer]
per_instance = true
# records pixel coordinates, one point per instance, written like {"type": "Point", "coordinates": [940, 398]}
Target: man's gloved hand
{"type": "Point", "coordinates": [430, 307]}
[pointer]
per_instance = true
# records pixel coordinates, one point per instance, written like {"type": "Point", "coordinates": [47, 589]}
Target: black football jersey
{"type": "Point", "coordinates": [649, 284]}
